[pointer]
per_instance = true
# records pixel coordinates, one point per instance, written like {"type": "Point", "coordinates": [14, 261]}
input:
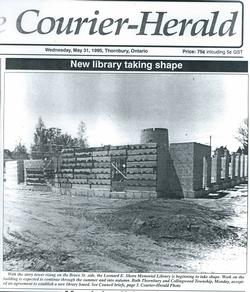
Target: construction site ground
{"type": "Point", "coordinates": [44, 231]}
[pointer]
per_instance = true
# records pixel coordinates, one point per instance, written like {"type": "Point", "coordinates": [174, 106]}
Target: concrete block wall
{"type": "Point", "coordinates": [34, 172]}
{"type": "Point", "coordinates": [92, 168]}
{"type": "Point", "coordinates": [168, 183]}
{"type": "Point", "coordinates": [237, 165]}
{"type": "Point", "coordinates": [84, 168]}
{"type": "Point", "coordinates": [142, 167]}
{"type": "Point", "coordinates": [232, 166]}
{"type": "Point", "coordinates": [225, 165]}
{"type": "Point", "coordinates": [155, 135]}
{"type": "Point", "coordinates": [183, 157]}
{"type": "Point", "coordinates": [228, 169]}
{"type": "Point", "coordinates": [242, 165]}
{"type": "Point", "coordinates": [14, 172]}
{"type": "Point", "coordinates": [216, 168]}
{"type": "Point", "coordinates": [149, 168]}
{"type": "Point", "coordinates": [193, 167]}
{"type": "Point", "coordinates": [181, 170]}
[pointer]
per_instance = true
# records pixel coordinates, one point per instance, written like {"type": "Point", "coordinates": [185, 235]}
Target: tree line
{"type": "Point", "coordinates": [50, 139]}
{"type": "Point", "coordinates": [54, 138]}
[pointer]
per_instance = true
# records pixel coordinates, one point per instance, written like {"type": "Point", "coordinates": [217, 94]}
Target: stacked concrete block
{"type": "Point", "coordinates": [100, 171]}
{"type": "Point", "coordinates": [14, 172]}
{"type": "Point", "coordinates": [238, 169]}
{"type": "Point", "coordinates": [228, 169]}
{"type": "Point", "coordinates": [242, 167]}
{"type": "Point", "coordinates": [168, 183]}
{"type": "Point", "coordinates": [99, 168]}
{"type": "Point", "coordinates": [142, 167]}
{"type": "Point", "coordinates": [155, 135]}
{"type": "Point", "coordinates": [216, 168]}
{"type": "Point", "coordinates": [84, 168]}
{"type": "Point", "coordinates": [232, 168]}
{"type": "Point", "coordinates": [34, 172]}
{"type": "Point", "coordinates": [92, 167]}
{"type": "Point", "coordinates": [182, 155]}
{"type": "Point", "coordinates": [149, 169]}
{"type": "Point", "coordinates": [232, 165]}
{"type": "Point", "coordinates": [193, 167]}
{"type": "Point", "coordinates": [225, 165]}
{"type": "Point", "coordinates": [237, 166]}
{"type": "Point", "coordinates": [33, 163]}
{"type": "Point", "coordinates": [225, 160]}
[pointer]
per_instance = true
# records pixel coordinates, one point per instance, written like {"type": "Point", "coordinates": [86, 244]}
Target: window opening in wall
{"type": "Point", "coordinates": [119, 169]}
{"type": "Point", "coordinates": [118, 173]}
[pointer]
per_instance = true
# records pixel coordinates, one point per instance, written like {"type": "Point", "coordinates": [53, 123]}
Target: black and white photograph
{"type": "Point", "coordinates": [125, 172]}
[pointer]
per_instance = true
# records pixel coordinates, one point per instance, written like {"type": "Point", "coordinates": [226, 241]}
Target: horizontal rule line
{"type": "Point", "coordinates": [124, 65]}
{"type": "Point", "coordinates": [129, 56]}
{"type": "Point", "coordinates": [125, 46]}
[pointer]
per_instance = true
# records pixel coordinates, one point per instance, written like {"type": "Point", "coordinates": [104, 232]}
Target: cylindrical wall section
{"type": "Point", "coordinates": [155, 135]}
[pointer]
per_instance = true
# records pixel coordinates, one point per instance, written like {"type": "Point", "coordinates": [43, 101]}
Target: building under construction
{"type": "Point", "coordinates": [154, 168]}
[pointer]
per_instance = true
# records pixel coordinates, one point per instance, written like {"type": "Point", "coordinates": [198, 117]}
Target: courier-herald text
{"type": "Point", "coordinates": [151, 23]}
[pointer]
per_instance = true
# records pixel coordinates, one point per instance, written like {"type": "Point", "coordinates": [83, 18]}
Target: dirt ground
{"type": "Point", "coordinates": [48, 232]}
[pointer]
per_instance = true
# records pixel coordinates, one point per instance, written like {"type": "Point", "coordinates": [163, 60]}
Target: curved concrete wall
{"type": "Point", "coordinates": [155, 135]}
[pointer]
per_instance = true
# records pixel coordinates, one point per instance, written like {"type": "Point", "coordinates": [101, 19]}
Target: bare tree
{"type": "Point", "coordinates": [242, 135]}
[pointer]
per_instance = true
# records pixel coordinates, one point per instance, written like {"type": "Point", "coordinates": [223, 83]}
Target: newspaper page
{"type": "Point", "coordinates": [124, 145]}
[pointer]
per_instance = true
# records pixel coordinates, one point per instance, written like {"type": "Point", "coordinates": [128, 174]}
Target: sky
{"type": "Point", "coordinates": [115, 107]}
